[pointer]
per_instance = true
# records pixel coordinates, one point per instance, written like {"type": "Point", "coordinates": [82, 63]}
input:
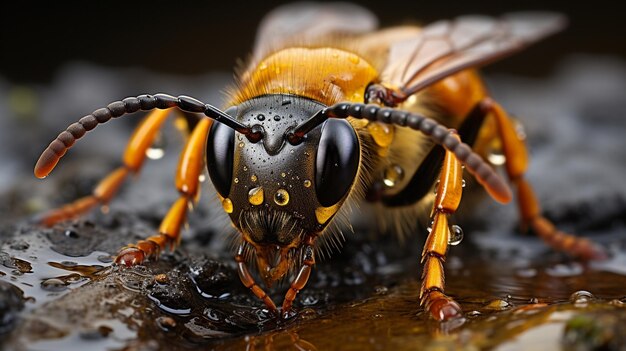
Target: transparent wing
{"type": "Point", "coordinates": [447, 47]}
{"type": "Point", "coordinates": [304, 22]}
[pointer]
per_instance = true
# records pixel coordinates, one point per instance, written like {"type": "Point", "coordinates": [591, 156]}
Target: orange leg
{"type": "Point", "coordinates": [248, 281]}
{"type": "Point", "coordinates": [449, 191]}
{"type": "Point", "coordinates": [135, 154]}
{"type": "Point", "coordinates": [190, 167]}
{"type": "Point", "coordinates": [530, 211]}
{"type": "Point", "coordinates": [301, 279]}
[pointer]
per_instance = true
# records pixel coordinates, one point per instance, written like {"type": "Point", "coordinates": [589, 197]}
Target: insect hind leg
{"type": "Point", "coordinates": [516, 164]}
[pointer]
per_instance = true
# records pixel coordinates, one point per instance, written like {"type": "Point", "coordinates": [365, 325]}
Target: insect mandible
{"type": "Point", "coordinates": [331, 114]}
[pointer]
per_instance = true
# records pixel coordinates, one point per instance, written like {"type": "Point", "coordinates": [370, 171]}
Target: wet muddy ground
{"type": "Point", "coordinates": [58, 290]}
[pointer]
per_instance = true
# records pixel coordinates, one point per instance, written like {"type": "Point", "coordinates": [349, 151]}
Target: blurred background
{"type": "Point", "coordinates": [196, 37]}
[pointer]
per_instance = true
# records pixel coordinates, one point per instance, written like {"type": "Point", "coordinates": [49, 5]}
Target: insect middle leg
{"type": "Point", "coordinates": [190, 167]}
{"type": "Point", "coordinates": [449, 191]}
{"type": "Point", "coordinates": [516, 164]}
{"type": "Point", "coordinates": [134, 156]}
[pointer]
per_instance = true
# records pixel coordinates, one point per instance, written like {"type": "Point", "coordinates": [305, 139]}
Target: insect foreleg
{"type": "Point", "coordinates": [190, 167]}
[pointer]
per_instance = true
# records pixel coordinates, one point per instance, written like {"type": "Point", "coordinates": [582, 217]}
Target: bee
{"type": "Point", "coordinates": [332, 114]}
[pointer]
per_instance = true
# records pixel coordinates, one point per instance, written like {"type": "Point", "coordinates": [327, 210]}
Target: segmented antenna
{"type": "Point", "coordinates": [59, 146]}
{"type": "Point", "coordinates": [441, 135]}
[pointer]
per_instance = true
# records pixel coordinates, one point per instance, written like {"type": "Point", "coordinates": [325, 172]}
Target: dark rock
{"type": "Point", "coordinates": [11, 302]}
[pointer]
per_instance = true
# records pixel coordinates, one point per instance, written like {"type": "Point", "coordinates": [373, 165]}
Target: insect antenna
{"type": "Point", "coordinates": [59, 146]}
{"type": "Point", "coordinates": [438, 133]}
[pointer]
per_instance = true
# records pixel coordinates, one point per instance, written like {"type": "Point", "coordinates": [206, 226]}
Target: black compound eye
{"type": "Point", "coordinates": [220, 148]}
{"type": "Point", "coordinates": [337, 161]}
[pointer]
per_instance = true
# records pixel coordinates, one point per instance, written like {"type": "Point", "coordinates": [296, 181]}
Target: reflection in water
{"type": "Point", "coordinates": [41, 273]}
{"type": "Point", "coordinates": [281, 340]}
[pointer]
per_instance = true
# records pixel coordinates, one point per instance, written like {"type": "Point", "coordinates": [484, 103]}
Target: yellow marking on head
{"type": "Point", "coordinates": [323, 214]}
{"type": "Point", "coordinates": [227, 205]}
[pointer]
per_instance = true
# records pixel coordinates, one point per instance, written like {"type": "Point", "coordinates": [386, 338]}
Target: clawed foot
{"type": "Point", "coordinates": [441, 307]}
{"type": "Point", "coordinates": [130, 256]}
{"type": "Point", "coordinates": [137, 254]}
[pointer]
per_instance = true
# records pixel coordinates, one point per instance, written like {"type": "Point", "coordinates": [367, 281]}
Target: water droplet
{"type": "Point", "coordinates": [245, 168]}
{"type": "Point", "coordinates": [565, 270]}
{"type": "Point", "coordinates": [281, 197]}
{"type": "Point", "coordinates": [581, 298]}
{"type": "Point", "coordinates": [156, 150]}
{"type": "Point", "coordinates": [260, 117]}
{"type": "Point", "coordinates": [253, 178]}
{"type": "Point", "coordinates": [463, 183]}
{"type": "Point", "coordinates": [283, 174]}
{"type": "Point", "coordinates": [393, 175]}
{"type": "Point", "coordinates": [154, 153]}
{"type": "Point", "coordinates": [307, 183]}
{"type": "Point", "coordinates": [498, 305]}
{"type": "Point", "coordinates": [236, 180]}
{"type": "Point", "coordinates": [255, 196]}
{"type": "Point", "coordinates": [95, 333]}
{"type": "Point", "coordinates": [71, 234]}
{"type": "Point", "coordinates": [527, 273]}
{"type": "Point", "coordinates": [212, 314]}
{"type": "Point", "coordinates": [161, 278]}
{"type": "Point", "coordinates": [53, 284]}
{"type": "Point", "coordinates": [166, 323]}
{"type": "Point", "coordinates": [241, 144]}
{"type": "Point", "coordinates": [436, 186]}
{"type": "Point", "coordinates": [227, 205]}
{"type": "Point", "coordinates": [277, 118]}
{"type": "Point", "coordinates": [520, 130]}
{"type": "Point", "coordinates": [381, 290]}
{"type": "Point", "coordinates": [201, 178]}
{"type": "Point", "coordinates": [496, 158]}
{"type": "Point", "coordinates": [456, 235]}
{"type": "Point", "coordinates": [20, 245]}
{"type": "Point", "coordinates": [381, 133]}
{"type": "Point", "coordinates": [105, 258]}
{"type": "Point", "coordinates": [310, 300]}
{"type": "Point", "coordinates": [473, 313]}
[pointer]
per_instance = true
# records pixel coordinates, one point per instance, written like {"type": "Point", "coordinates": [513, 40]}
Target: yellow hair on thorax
{"type": "Point", "coordinates": [324, 74]}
